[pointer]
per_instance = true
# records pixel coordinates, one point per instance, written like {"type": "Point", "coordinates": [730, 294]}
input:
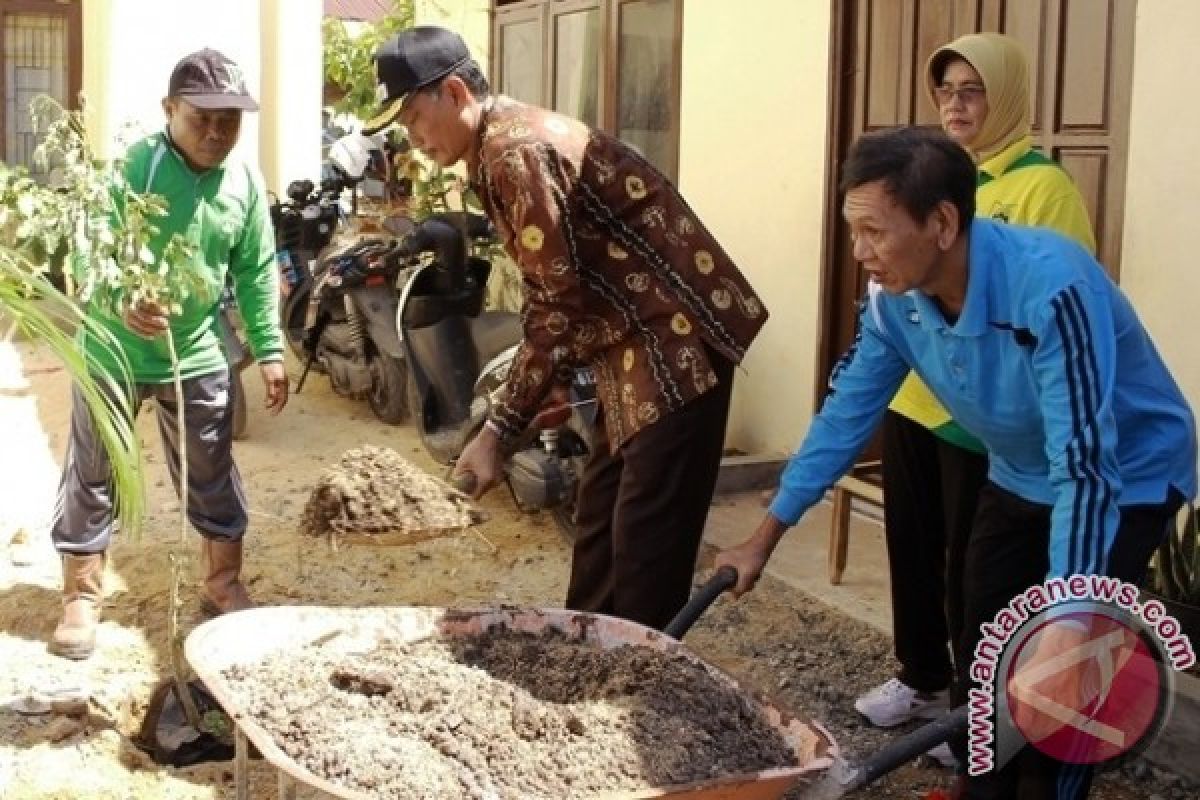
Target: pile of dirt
{"type": "Point", "coordinates": [374, 490]}
{"type": "Point", "coordinates": [506, 714]}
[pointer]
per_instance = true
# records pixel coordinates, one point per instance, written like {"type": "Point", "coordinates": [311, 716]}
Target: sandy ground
{"type": "Point", "coordinates": [513, 558]}
{"type": "Point", "coordinates": [806, 655]}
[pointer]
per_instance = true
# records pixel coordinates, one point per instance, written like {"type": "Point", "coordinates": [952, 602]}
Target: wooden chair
{"type": "Point", "coordinates": [861, 482]}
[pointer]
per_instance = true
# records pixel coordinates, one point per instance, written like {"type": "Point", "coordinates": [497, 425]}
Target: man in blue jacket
{"type": "Point", "coordinates": [1032, 348]}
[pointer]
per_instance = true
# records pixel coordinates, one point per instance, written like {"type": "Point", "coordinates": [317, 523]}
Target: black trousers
{"type": "Point", "coordinates": [641, 511]}
{"type": "Point", "coordinates": [932, 488]}
{"type": "Point", "coordinates": [1008, 552]}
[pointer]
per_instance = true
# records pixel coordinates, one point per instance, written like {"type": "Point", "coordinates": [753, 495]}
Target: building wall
{"type": "Point", "coordinates": [752, 163]}
{"type": "Point", "coordinates": [289, 145]}
{"type": "Point", "coordinates": [130, 47]}
{"type": "Point", "coordinates": [470, 18]}
{"type": "Point", "coordinates": [1161, 238]}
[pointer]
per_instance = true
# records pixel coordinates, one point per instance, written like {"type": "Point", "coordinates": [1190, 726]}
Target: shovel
{"type": "Point", "coordinates": [904, 749]}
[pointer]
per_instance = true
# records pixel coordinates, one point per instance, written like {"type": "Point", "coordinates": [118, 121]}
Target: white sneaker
{"type": "Point", "coordinates": [943, 755]}
{"type": "Point", "coordinates": [894, 703]}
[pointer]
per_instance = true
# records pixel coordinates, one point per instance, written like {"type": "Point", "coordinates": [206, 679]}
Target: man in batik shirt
{"type": "Point", "coordinates": [619, 275]}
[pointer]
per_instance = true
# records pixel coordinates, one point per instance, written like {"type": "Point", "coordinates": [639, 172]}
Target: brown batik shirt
{"type": "Point", "coordinates": [618, 272]}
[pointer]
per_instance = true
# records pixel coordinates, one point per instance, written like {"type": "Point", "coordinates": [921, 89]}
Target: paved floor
{"type": "Point", "coordinates": [801, 560]}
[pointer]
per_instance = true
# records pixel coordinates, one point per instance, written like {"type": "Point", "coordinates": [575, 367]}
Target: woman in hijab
{"type": "Point", "coordinates": [932, 468]}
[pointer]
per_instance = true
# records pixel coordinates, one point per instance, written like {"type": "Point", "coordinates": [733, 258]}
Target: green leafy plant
{"type": "Point", "coordinates": [1176, 571]}
{"type": "Point", "coordinates": [349, 65]}
{"type": "Point", "coordinates": [349, 57]}
{"type": "Point", "coordinates": [102, 229]}
{"type": "Point", "coordinates": [37, 310]}
{"type": "Point", "coordinates": [90, 226]}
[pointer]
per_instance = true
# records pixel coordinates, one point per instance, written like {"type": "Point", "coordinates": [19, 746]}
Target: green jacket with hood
{"type": "Point", "coordinates": [223, 213]}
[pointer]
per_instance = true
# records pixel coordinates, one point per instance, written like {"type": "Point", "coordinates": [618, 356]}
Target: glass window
{"type": "Point", "coordinates": [646, 93]}
{"type": "Point", "coordinates": [614, 64]}
{"type": "Point", "coordinates": [35, 62]}
{"type": "Point", "coordinates": [521, 60]}
{"type": "Point", "coordinates": [576, 65]}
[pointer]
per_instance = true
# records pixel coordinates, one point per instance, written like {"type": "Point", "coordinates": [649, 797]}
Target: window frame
{"type": "Point", "coordinates": [506, 12]}
{"type": "Point", "coordinates": [71, 12]}
{"type": "Point", "coordinates": [562, 8]}
{"type": "Point", "coordinates": [515, 14]}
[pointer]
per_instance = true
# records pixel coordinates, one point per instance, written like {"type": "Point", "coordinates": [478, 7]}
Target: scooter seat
{"type": "Point", "coordinates": [494, 332]}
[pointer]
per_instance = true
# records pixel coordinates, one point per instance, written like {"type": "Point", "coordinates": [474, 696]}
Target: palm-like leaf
{"type": "Point", "coordinates": [48, 317]}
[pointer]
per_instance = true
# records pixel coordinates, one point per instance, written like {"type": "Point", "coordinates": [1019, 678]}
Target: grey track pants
{"type": "Point", "coordinates": [83, 519]}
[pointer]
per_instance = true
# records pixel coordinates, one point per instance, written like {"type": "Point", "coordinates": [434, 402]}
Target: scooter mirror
{"type": "Point", "coordinates": [298, 191]}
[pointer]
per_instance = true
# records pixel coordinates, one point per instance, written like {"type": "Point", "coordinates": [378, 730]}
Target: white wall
{"type": "Point", "coordinates": [1161, 246]}
{"type": "Point", "coordinates": [131, 46]}
{"type": "Point", "coordinates": [471, 19]}
{"type": "Point", "coordinates": [289, 147]}
{"type": "Point", "coordinates": [752, 163]}
{"type": "Point", "coordinates": [129, 55]}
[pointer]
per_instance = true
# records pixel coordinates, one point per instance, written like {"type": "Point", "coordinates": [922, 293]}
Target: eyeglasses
{"type": "Point", "coordinates": [968, 94]}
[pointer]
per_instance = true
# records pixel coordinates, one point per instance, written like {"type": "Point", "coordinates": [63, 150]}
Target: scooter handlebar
{"type": "Point", "coordinates": [437, 236]}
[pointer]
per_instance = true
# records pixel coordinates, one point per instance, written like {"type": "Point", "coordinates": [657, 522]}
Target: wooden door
{"type": "Point", "coordinates": [42, 53]}
{"type": "Point", "coordinates": [1081, 61]}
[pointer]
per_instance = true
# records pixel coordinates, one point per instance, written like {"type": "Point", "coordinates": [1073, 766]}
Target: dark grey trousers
{"type": "Point", "coordinates": [83, 518]}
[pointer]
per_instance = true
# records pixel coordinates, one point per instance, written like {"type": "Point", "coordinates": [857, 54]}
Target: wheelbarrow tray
{"type": "Point", "coordinates": [247, 637]}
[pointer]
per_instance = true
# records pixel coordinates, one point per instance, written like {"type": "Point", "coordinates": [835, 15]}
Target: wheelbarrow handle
{"type": "Point", "coordinates": [724, 578]}
{"type": "Point", "coordinates": [908, 747]}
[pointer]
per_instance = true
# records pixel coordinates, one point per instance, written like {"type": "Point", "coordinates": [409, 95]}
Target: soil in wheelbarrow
{"type": "Point", "coordinates": [506, 714]}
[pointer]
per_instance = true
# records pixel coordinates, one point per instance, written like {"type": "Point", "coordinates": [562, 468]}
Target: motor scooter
{"type": "Point", "coordinates": [459, 356]}
{"type": "Point", "coordinates": [339, 303]}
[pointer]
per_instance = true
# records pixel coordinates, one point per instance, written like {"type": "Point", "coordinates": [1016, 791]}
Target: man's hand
{"type": "Point", "coordinates": [147, 319]}
{"type": "Point", "coordinates": [275, 381]}
{"type": "Point", "coordinates": [749, 557]}
{"type": "Point", "coordinates": [482, 461]}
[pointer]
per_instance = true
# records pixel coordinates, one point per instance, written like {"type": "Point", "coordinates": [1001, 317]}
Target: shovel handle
{"type": "Point", "coordinates": [908, 747]}
{"type": "Point", "coordinates": [724, 578]}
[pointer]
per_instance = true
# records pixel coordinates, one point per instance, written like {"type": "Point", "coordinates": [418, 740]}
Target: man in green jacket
{"type": "Point", "coordinates": [220, 208]}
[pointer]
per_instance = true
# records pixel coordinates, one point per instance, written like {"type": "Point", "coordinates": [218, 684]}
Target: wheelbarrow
{"type": "Point", "coordinates": [842, 778]}
{"type": "Point", "coordinates": [247, 637]}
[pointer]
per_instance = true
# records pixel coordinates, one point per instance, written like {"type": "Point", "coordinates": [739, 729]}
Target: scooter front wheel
{"type": "Point", "coordinates": [294, 312]}
{"type": "Point", "coordinates": [388, 397]}
{"type": "Point", "coordinates": [237, 401]}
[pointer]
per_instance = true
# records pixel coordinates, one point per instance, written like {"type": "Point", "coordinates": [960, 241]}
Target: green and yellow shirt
{"type": "Point", "coordinates": [1020, 186]}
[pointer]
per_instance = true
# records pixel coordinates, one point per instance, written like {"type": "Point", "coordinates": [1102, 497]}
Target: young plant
{"type": "Point", "coordinates": [1176, 571]}
{"type": "Point", "coordinates": [102, 227]}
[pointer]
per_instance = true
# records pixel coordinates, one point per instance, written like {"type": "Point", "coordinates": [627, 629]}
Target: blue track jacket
{"type": "Point", "coordinates": [1048, 365]}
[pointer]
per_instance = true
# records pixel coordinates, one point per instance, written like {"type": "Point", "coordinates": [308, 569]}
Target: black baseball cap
{"type": "Point", "coordinates": [411, 60]}
{"type": "Point", "coordinates": [207, 79]}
